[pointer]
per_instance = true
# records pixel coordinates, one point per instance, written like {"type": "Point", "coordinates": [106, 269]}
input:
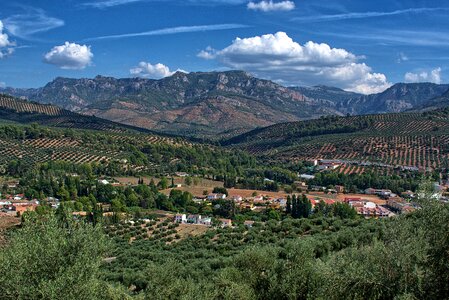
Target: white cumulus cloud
{"type": "Point", "coordinates": [424, 76]}
{"type": "Point", "coordinates": [156, 71]}
{"type": "Point", "coordinates": [278, 57]}
{"type": "Point", "coordinates": [271, 6]}
{"type": "Point", "coordinates": [6, 46]}
{"type": "Point", "coordinates": [70, 56]}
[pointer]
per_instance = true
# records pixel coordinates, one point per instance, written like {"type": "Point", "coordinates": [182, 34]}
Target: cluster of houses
{"type": "Point", "coordinates": [260, 202]}
{"type": "Point", "coordinates": [17, 204]}
{"type": "Point", "coordinates": [200, 220]}
{"type": "Point", "coordinates": [368, 209]}
{"type": "Point", "coordinates": [400, 205]}
{"type": "Point", "coordinates": [247, 203]}
{"type": "Point", "coordinates": [363, 207]}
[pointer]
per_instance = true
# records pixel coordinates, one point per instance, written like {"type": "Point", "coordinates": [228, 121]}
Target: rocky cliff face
{"type": "Point", "coordinates": [398, 98]}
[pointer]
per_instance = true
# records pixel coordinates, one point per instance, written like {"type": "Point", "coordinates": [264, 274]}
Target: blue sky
{"type": "Point", "coordinates": [363, 46]}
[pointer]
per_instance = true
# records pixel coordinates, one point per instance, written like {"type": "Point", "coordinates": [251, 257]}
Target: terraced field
{"type": "Point", "coordinates": [419, 140]}
{"type": "Point", "coordinates": [21, 111]}
{"type": "Point", "coordinates": [83, 146]}
{"type": "Point", "coordinates": [41, 150]}
{"type": "Point", "coordinates": [91, 140]}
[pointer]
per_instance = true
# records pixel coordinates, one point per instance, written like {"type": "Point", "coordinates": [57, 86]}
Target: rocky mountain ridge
{"type": "Point", "coordinates": [207, 104]}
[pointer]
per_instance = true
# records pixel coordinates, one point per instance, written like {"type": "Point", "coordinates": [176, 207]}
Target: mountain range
{"type": "Point", "coordinates": [220, 104]}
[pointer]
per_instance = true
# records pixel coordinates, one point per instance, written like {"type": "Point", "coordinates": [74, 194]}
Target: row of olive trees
{"type": "Point", "coordinates": [410, 261]}
{"type": "Point", "coordinates": [61, 259]}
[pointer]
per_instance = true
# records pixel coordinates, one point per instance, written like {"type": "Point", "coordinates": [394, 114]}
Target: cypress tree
{"type": "Point", "coordinates": [294, 206]}
{"type": "Point", "coordinates": [307, 206]}
{"type": "Point", "coordinates": [288, 209]}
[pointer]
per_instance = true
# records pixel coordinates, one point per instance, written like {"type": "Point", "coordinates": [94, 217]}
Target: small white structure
{"type": "Point", "coordinates": [206, 221]}
{"type": "Point", "coordinates": [282, 202]}
{"type": "Point", "coordinates": [379, 192]}
{"type": "Point", "coordinates": [237, 198]}
{"type": "Point", "coordinates": [306, 176]}
{"type": "Point", "coordinates": [181, 174]}
{"type": "Point", "coordinates": [370, 204]}
{"type": "Point", "coordinates": [216, 196]}
{"type": "Point", "coordinates": [180, 218]}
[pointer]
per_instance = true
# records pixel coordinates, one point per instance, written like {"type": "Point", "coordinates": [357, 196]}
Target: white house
{"type": "Point", "coordinates": [180, 218]}
{"type": "Point", "coordinates": [206, 221]}
{"type": "Point", "coordinates": [195, 219]}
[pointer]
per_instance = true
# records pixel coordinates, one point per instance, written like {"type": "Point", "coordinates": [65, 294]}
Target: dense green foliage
{"type": "Point", "coordinates": [403, 258]}
{"type": "Point", "coordinates": [130, 154]}
{"type": "Point", "coordinates": [297, 130]}
{"type": "Point", "coordinates": [355, 182]}
{"type": "Point", "coordinates": [140, 154]}
{"type": "Point", "coordinates": [330, 254]}
{"type": "Point", "coordinates": [51, 259]}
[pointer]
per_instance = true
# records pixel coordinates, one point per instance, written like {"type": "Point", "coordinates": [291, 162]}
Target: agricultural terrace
{"type": "Point", "coordinates": [418, 140]}
{"type": "Point", "coordinates": [34, 144]}
{"type": "Point", "coordinates": [17, 110]}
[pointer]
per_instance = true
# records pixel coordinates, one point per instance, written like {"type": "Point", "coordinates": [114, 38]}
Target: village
{"type": "Point", "coordinates": [369, 203]}
{"type": "Point", "coordinates": [372, 203]}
